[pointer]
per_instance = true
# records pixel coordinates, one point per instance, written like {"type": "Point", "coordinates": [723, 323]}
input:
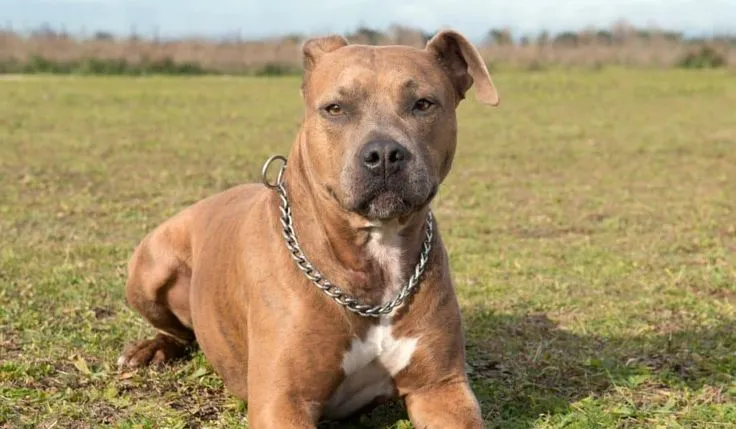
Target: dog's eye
{"type": "Point", "coordinates": [333, 109]}
{"type": "Point", "coordinates": [423, 105]}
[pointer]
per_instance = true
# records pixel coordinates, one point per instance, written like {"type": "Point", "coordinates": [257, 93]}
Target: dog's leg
{"type": "Point", "coordinates": [158, 288]}
{"type": "Point", "coordinates": [447, 406]}
{"type": "Point", "coordinates": [281, 412]}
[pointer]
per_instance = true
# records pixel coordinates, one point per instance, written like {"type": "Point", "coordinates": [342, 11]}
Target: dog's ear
{"type": "Point", "coordinates": [464, 65]}
{"type": "Point", "coordinates": [314, 49]}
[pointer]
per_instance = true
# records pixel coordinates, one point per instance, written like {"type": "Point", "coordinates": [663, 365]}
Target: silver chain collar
{"type": "Point", "coordinates": [334, 292]}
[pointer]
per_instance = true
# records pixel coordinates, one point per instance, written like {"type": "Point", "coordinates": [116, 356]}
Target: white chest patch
{"type": "Point", "coordinates": [369, 366]}
{"type": "Point", "coordinates": [371, 363]}
{"type": "Point", "coordinates": [384, 247]}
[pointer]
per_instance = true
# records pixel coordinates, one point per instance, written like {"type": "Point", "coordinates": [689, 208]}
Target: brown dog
{"type": "Point", "coordinates": [378, 138]}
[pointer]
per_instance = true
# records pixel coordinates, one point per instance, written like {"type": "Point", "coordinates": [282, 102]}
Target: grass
{"type": "Point", "coordinates": [591, 222]}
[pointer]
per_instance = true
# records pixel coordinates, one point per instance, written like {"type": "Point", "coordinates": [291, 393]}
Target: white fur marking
{"type": "Point", "coordinates": [384, 247]}
{"type": "Point", "coordinates": [370, 364]}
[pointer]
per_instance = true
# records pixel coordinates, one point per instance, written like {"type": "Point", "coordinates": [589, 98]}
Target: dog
{"type": "Point", "coordinates": [328, 290]}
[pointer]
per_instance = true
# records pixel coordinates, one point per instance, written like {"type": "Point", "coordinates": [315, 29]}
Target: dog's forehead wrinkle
{"type": "Point", "coordinates": [400, 68]}
{"type": "Point", "coordinates": [353, 83]}
{"type": "Point", "coordinates": [376, 81]}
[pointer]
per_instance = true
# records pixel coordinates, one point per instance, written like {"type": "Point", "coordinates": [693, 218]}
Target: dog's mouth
{"type": "Point", "coordinates": [389, 202]}
{"type": "Point", "coordinates": [384, 206]}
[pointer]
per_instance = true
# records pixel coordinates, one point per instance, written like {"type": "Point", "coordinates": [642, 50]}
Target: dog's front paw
{"type": "Point", "coordinates": [159, 350]}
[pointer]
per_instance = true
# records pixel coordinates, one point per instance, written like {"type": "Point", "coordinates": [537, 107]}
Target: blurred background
{"type": "Point", "coordinates": [590, 220]}
{"type": "Point", "coordinates": [264, 37]}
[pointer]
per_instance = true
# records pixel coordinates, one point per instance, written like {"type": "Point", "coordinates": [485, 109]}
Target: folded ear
{"type": "Point", "coordinates": [314, 49]}
{"type": "Point", "coordinates": [464, 65]}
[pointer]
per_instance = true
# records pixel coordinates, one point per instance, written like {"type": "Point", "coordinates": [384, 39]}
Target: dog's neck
{"type": "Point", "coordinates": [369, 259]}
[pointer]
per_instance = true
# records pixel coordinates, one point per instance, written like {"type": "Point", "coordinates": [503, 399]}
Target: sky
{"type": "Point", "coordinates": [259, 18]}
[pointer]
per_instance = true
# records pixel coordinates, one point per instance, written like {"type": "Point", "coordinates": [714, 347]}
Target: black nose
{"type": "Point", "coordinates": [383, 157]}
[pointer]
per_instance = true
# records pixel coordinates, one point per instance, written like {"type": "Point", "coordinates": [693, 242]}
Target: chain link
{"type": "Point", "coordinates": [346, 300]}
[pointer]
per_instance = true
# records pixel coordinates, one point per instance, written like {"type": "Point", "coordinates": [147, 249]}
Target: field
{"type": "Point", "coordinates": [591, 223]}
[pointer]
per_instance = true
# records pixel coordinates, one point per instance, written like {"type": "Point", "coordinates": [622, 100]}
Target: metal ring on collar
{"type": "Point", "coordinates": [279, 178]}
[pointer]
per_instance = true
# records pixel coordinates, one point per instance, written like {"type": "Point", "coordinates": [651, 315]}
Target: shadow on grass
{"type": "Point", "coordinates": [525, 366]}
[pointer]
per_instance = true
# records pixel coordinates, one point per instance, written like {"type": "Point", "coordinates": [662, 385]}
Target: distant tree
{"type": "Point", "coordinates": [644, 34]}
{"type": "Point", "coordinates": [103, 35]}
{"type": "Point", "coordinates": [500, 36]}
{"type": "Point", "coordinates": [567, 38]}
{"type": "Point", "coordinates": [294, 38]}
{"type": "Point", "coordinates": [622, 31]}
{"type": "Point", "coordinates": [704, 57]}
{"type": "Point", "coordinates": [44, 30]}
{"type": "Point", "coordinates": [587, 36]}
{"type": "Point", "coordinates": [673, 36]}
{"type": "Point", "coordinates": [370, 36]}
{"type": "Point", "coordinates": [543, 38]}
{"type": "Point", "coordinates": [604, 37]}
{"type": "Point", "coordinates": [406, 36]}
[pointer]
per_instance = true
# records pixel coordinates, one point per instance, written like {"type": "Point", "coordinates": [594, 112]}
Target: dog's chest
{"type": "Point", "coordinates": [369, 367]}
{"type": "Point", "coordinates": [371, 362]}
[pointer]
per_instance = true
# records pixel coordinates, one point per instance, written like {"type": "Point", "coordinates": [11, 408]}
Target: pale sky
{"type": "Point", "coordinates": [258, 18]}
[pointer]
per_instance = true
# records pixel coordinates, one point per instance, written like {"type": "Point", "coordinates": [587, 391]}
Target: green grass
{"type": "Point", "coordinates": [591, 223]}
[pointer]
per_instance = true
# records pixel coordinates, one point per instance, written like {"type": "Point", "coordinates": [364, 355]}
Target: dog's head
{"type": "Point", "coordinates": [380, 121]}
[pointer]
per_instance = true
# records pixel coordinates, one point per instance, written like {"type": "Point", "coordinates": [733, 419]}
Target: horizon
{"type": "Point", "coordinates": [250, 19]}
